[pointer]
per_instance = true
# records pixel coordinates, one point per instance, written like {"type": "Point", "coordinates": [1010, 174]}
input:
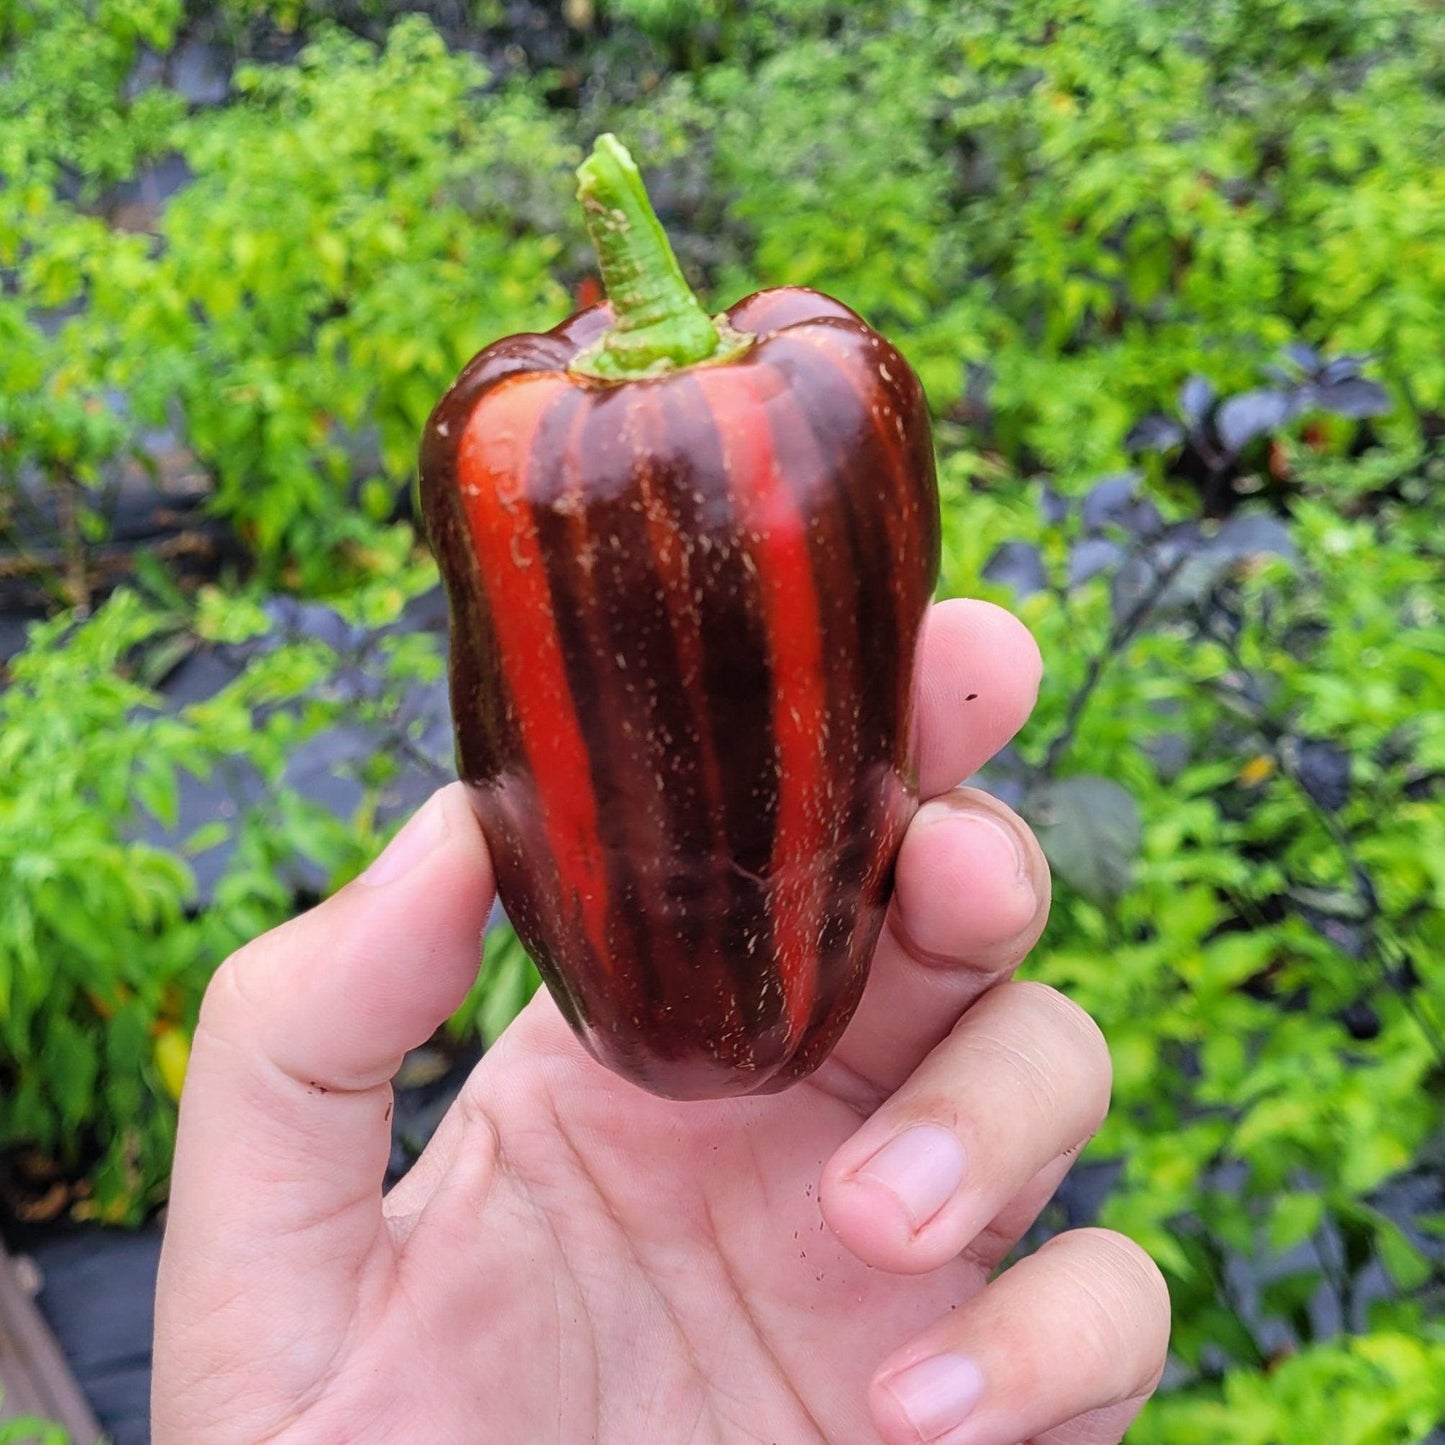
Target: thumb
{"type": "Point", "coordinates": [285, 1119]}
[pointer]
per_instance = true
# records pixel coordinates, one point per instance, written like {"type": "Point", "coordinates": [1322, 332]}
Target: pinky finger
{"type": "Point", "coordinates": [1062, 1349]}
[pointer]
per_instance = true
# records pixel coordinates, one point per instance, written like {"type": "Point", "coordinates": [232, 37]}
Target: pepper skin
{"type": "Point", "coordinates": [685, 611]}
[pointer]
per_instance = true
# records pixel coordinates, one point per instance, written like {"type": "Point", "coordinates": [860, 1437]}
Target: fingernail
{"type": "Point", "coordinates": [938, 1394]}
{"type": "Point", "coordinates": [997, 832]}
{"type": "Point", "coordinates": [421, 834]}
{"type": "Point", "coordinates": [989, 831]}
{"type": "Point", "coordinates": [922, 1168]}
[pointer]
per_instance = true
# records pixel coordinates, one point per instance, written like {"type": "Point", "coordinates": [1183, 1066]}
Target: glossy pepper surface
{"type": "Point", "coordinates": [687, 561]}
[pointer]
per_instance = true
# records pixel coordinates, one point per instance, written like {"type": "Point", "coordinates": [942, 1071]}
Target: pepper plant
{"type": "Point", "coordinates": [108, 943]}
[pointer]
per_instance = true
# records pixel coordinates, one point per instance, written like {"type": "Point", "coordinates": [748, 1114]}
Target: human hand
{"type": "Point", "coordinates": [575, 1260]}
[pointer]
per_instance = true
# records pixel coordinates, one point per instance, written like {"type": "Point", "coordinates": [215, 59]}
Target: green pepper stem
{"type": "Point", "coordinates": [659, 324]}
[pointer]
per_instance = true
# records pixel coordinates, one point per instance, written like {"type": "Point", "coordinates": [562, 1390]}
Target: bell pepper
{"type": "Point", "coordinates": [687, 559]}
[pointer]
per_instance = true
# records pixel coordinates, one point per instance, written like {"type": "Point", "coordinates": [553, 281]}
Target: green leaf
{"type": "Point", "coordinates": [1293, 1218]}
{"type": "Point", "coordinates": [158, 791]}
{"type": "Point", "coordinates": [1090, 830]}
{"type": "Point", "coordinates": [1408, 1267]}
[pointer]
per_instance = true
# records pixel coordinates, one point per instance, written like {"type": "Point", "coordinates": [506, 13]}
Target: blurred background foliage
{"type": "Point", "coordinates": [1174, 276]}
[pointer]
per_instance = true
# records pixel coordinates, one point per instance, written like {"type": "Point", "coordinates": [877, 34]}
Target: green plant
{"type": "Point", "coordinates": [1087, 203]}
{"type": "Point", "coordinates": [66, 111]}
{"type": "Point", "coordinates": [360, 224]}
{"type": "Point", "coordinates": [104, 953]}
{"type": "Point", "coordinates": [1234, 767]}
{"type": "Point", "coordinates": [64, 430]}
{"type": "Point", "coordinates": [68, 276]}
{"type": "Point", "coordinates": [1383, 1388]}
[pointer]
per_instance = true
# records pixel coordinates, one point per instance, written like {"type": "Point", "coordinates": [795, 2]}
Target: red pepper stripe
{"type": "Point", "coordinates": [492, 466]}
{"type": "Point", "coordinates": [825, 449]}
{"type": "Point", "coordinates": [774, 536]}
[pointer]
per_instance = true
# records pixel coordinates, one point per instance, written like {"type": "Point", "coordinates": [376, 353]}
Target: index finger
{"type": "Point", "coordinates": [972, 888]}
{"type": "Point", "coordinates": [979, 670]}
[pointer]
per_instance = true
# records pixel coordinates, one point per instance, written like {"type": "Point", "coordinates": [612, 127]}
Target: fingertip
{"type": "Point", "coordinates": [966, 845]}
{"type": "Point", "coordinates": [1124, 1270]}
{"type": "Point", "coordinates": [979, 679]}
{"type": "Point", "coordinates": [891, 1212]}
{"type": "Point", "coordinates": [1068, 1343]}
{"type": "Point", "coordinates": [1002, 633]}
{"type": "Point", "coordinates": [447, 820]}
{"type": "Point", "coordinates": [462, 825]}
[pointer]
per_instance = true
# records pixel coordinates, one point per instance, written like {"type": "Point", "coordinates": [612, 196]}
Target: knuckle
{"type": "Point", "coordinates": [1129, 1321]}
{"type": "Point", "coordinates": [230, 1005]}
{"type": "Point", "coordinates": [1026, 1066]}
{"type": "Point", "coordinates": [1064, 1022]}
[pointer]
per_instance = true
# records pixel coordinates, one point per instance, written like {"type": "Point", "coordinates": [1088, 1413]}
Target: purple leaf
{"type": "Point", "coordinates": [1247, 534]}
{"type": "Point", "coordinates": [1054, 507]}
{"type": "Point", "coordinates": [1304, 357]}
{"type": "Point", "coordinates": [1018, 565]}
{"type": "Point", "coordinates": [1089, 829]}
{"type": "Point", "coordinates": [1114, 501]}
{"type": "Point", "coordinates": [1196, 396]}
{"type": "Point", "coordinates": [1342, 368]}
{"type": "Point", "coordinates": [1092, 556]}
{"type": "Point", "coordinates": [1249, 415]}
{"type": "Point", "coordinates": [1323, 770]}
{"type": "Point", "coordinates": [1155, 433]}
{"type": "Point", "coordinates": [1355, 397]}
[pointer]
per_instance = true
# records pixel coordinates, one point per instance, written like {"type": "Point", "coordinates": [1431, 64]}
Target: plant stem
{"type": "Point", "coordinates": [1274, 735]}
{"type": "Point", "coordinates": [77, 575]}
{"type": "Point", "coordinates": [1119, 637]}
{"type": "Point", "coordinates": [659, 325]}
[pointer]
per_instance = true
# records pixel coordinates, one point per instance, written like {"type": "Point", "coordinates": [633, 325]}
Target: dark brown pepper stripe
{"type": "Point", "coordinates": [645, 757]}
{"type": "Point", "coordinates": [774, 537]}
{"type": "Point", "coordinates": [888, 394]}
{"type": "Point", "coordinates": [554, 495]}
{"type": "Point", "coordinates": [693, 893]}
{"type": "Point", "coordinates": [858, 472]}
{"type": "Point", "coordinates": [735, 725]}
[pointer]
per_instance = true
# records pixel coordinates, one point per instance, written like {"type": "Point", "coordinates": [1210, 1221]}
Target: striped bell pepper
{"type": "Point", "coordinates": [687, 559]}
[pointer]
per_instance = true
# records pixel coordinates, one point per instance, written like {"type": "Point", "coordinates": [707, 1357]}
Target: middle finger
{"type": "Point", "coordinates": [1022, 1080]}
{"type": "Point", "coordinates": [970, 900]}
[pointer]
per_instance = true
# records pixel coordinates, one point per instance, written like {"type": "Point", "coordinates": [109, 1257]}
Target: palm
{"type": "Point", "coordinates": [675, 1255]}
